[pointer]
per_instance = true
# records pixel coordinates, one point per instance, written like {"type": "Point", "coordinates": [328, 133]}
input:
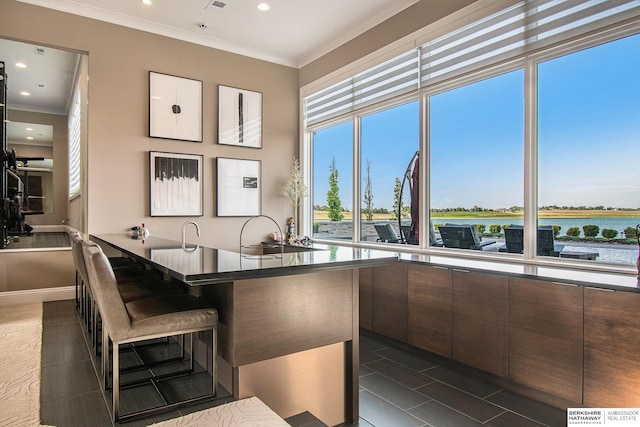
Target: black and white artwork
{"type": "Point", "coordinates": [175, 107]}
{"type": "Point", "coordinates": [239, 187]}
{"type": "Point", "coordinates": [176, 184]}
{"type": "Point", "coordinates": [239, 117]}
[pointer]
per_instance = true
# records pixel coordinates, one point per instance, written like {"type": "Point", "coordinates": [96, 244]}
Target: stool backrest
{"type": "Point", "coordinates": [103, 283]}
{"type": "Point", "coordinates": [78, 257]}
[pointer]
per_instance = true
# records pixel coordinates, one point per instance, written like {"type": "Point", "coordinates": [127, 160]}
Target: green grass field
{"type": "Point", "coordinates": [556, 213]}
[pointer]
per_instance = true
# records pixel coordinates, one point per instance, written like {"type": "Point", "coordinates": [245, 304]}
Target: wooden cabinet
{"type": "Point", "coordinates": [389, 308]}
{"type": "Point", "coordinates": [430, 308]}
{"type": "Point", "coordinates": [481, 321]}
{"type": "Point", "coordinates": [545, 339]}
{"type": "Point", "coordinates": [366, 296]}
{"type": "Point", "coordinates": [611, 349]}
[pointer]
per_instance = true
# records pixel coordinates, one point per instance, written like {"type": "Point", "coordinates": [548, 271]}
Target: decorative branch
{"type": "Point", "coordinates": [295, 189]}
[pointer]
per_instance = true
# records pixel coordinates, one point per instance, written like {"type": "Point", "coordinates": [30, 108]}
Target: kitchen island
{"type": "Point", "coordinates": [288, 322]}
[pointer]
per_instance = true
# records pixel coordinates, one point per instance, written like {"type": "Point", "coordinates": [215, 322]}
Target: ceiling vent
{"type": "Point", "coordinates": [216, 5]}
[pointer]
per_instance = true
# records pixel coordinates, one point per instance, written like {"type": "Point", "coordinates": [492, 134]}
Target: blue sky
{"type": "Point", "coordinates": [588, 130]}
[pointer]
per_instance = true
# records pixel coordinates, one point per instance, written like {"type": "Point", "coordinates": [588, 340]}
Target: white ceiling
{"type": "Point", "coordinates": [292, 32]}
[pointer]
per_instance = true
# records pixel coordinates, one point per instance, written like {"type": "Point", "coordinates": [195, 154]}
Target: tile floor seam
{"type": "Point", "coordinates": [494, 417]}
{"type": "Point", "coordinates": [521, 415]}
{"type": "Point", "coordinates": [455, 410]}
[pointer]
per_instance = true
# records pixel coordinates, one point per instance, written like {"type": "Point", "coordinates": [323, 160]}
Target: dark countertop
{"type": "Point", "coordinates": [622, 281]}
{"type": "Point", "coordinates": [202, 265]}
{"type": "Point", "coordinates": [208, 266]}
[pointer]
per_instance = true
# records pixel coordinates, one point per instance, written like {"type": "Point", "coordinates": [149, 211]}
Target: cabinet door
{"type": "Point", "coordinates": [611, 349]}
{"type": "Point", "coordinates": [430, 309]}
{"type": "Point", "coordinates": [545, 339]}
{"type": "Point", "coordinates": [366, 285]}
{"type": "Point", "coordinates": [389, 317]}
{"type": "Point", "coordinates": [481, 321]}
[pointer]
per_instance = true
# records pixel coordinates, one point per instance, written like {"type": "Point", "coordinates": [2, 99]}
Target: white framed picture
{"type": "Point", "coordinates": [239, 187]}
{"type": "Point", "coordinates": [176, 184]}
{"type": "Point", "coordinates": [175, 107]}
{"type": "Point", "coordinates": [239, 117]}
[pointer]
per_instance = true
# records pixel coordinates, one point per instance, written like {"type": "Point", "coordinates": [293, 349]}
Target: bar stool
{"type": "Point", "coordinates": [144, 319]}
{"type": "Point", "coordinates": [134, 283]}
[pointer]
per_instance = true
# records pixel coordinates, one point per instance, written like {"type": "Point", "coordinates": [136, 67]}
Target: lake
{"type": "Point", "coordinates": [617, 224]}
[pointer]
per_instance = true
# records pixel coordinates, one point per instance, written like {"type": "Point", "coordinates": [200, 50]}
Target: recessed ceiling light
{"type": "Point", "coordinates": [264, 7]}
{"type": "Point", "coordinates": [25, 93]}
{"type": "Point", "coordinates": [21, 65]}
{"type": "Point", "coordinates": [29, 129]}
{"type": "Point", "coordinates": [29, 137]}
{"type": "Point", "coordinates": [147, 2]}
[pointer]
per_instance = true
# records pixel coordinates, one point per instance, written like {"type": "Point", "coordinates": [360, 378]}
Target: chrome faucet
{"type": "Point", "coordinates": [184, 228]}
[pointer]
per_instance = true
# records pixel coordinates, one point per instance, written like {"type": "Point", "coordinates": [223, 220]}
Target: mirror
{"type": "Point", "coordinates": [43, 85]}
{"type": "Point", "coordinates": [33, 144]}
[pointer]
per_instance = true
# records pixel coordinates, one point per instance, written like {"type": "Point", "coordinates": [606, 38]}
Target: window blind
{"type": "Point", "coordinates": [526, 26]}
{"type": "Point", "coordinates": [385, 81]}
{"type": "Point", "coordinates": [74, 145]}
{"type": "Point", "coordinates": [514, 31]}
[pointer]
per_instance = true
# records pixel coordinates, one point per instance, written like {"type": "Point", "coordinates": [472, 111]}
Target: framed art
{"type": "Point", "coordinates": [239, 117]}
{"type": "Point", "coordinates": [239, 187]}
{"type": "Point", "coordinates": [176, 184]}
{"type": "Point", "coordinates": [175, 107]}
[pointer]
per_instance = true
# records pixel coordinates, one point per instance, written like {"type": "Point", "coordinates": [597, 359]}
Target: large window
{"type": "Point", "coordinates": [529, 123]}
{"type": "Point", "coordinates": [476, 140]}
{"type": "Point", "coordinates": [588, 149]}
{"type": "Point", "coordinates": [332, 181]}
{"type": "Point", "coordinates": [388, 142]}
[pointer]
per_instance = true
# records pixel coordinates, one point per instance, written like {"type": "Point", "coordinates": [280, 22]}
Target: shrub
{"type": "Point", "coordinates": [608, 233]}
{"type": "Point", "coordinates": [591, 230]}
{"type": "Point", "coordinates": [495, 229]}
{"type": "Point", "coordinates": [481, 228]}
{"type": "Point", "coordinates": [573, 232]}
{"type": "Point", "coordinates": [556, 230]}
{"type": "Point", "coordinates": [630, 233]}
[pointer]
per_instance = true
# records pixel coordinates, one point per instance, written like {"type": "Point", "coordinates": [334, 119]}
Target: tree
{"type": "Point", "coordinates": [368, 194]}
{"type": "Point", "coordinates": [333, 195]}
{"type": "Point", "coordinates": [295, 189]}
{"type": "Point", "coordinates": [397, 203]}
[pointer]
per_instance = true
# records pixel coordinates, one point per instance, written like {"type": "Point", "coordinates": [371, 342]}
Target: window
{"type": "Point", "coordinates": [332, 181]}
{"type": "Point", "coordinates": [74, 145]}
{"type": "Point", "coordinates": [476, 143]}
{"type": "Point", "coordinates": [388, 141]}
{"type": "Point", "coordinates": [506, 171]}
{"type": "Point", "coordinates": [588, 146]}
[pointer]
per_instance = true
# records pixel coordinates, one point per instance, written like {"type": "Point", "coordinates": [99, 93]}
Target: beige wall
{"type": "Point", "coordinates": [60, 156]}
{"type": "Point", "coordinates": [412, 19]}
{"type": "Point", "coordinates": [118, 152]}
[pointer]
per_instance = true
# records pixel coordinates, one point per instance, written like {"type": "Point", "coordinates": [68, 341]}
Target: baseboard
{"type": "Point", "coordinates": [49, 228]}
{"type": "Point", "coordinates": [37, 295]}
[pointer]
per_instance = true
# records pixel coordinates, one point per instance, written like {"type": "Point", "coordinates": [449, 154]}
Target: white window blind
{"type": "Point", "coordinates": [385, 81]}
{"type": "Point", "coordinates": [74, 145]}
{"type": "Point", "coordinates": [523, 27]}
{"type": "Point", "coordinates": [526, 26]}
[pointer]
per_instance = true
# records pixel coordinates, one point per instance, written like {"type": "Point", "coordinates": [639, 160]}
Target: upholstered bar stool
{"type": "Point", "coordinates": [144, 319]}
{"type": "Point", "coordinates": [134, 283]}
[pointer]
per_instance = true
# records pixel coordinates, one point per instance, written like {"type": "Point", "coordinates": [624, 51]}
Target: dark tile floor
{"type": "Point", "coordinates": [399, 386]}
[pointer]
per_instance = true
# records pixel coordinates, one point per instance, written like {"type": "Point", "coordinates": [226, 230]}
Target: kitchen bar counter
{"type": "Point", "coordinates": [288, 327]}
{"type": "Point", "coordinates": [198, 265]}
